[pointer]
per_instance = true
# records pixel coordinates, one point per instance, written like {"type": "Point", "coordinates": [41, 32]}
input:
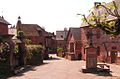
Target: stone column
{"type": "Point", "coordinates": [21, 49]}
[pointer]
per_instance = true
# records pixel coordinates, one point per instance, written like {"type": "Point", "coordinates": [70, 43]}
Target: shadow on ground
{"type": "Point", "coordinates": [54, 58]}
{"type": "Point", "coordinates": [21, 70]}
{"type": "Point", "coordinates": [101, 73]}
{"type": "Point", "coordinates": [28, 68]}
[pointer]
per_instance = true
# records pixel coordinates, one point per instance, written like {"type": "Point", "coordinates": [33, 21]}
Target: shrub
{"type": "Point", "coordinates": [4, 59]}
{"type": "Point", "coordinates": [28, 41]}
{"type": "Point", "coordinates": [34, 54]}
{"type": "Point", "coordinates": [59, 52]}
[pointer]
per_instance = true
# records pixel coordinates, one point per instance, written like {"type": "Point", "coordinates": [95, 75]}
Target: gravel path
{"type": "Point", "coordinates": [60, 68]}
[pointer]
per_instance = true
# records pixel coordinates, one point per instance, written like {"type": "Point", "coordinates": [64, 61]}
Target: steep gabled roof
{"type": "Point", "coordinates": [75, 33]}
{"type": "Point", "coordinates": [2, 20]}
{"type": "Point", "coordinates": [30, 29]}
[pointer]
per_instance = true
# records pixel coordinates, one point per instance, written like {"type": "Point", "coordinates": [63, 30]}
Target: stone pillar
{"type": "Point", "coordinates": [21, 49]}
{"type": "Point", "coordinates": [91, 54]}
{"type": "Point", "coordinates": [91, 58]}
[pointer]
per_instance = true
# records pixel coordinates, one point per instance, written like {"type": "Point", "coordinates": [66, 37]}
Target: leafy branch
{"type": "Point", "coordinates": [100, 21]}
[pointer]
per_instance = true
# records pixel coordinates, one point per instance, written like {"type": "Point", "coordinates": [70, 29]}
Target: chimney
{"type": "Point", "coordinates": [19, 23]}
{"type": "Point", "coordinates": [96, 4]}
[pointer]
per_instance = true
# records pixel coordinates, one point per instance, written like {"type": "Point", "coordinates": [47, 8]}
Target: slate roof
{"type": "Point", "coordinates": [33, 30]}
{"type": "Point", "coordinates": [101, 11]}
{"type": "Point", "coordinates": [30, 29]}
{"type": "Point", "coordinates": [75, 33]}
{"type": "Point", "coordinates": [2, 20]}
{"type": "Point", "coordinates": [61, 34]}
{"type": "Point", "coordinates": [48, 34]}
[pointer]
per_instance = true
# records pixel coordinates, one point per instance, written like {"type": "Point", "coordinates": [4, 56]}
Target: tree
{"type": "Point", "coordinates": [111, 27]}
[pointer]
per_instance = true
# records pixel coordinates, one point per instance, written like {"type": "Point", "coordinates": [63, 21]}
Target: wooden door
{"type": "Point", "coordinates": [113, 56]}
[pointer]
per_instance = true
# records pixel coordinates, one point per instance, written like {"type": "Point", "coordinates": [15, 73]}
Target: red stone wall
{"type": "Point", "coordinates": [78, 48]}
{"type": "Point", "coordinates": [105, 42]}
{"type": "Point", "coordinates": [73, 48]}
{"type": "Point", "coordinates": [36, 39]}
{"type": "Point", "coordinates": [3, 29]}
{"type": "Point", "coordinates": [62, 44]}
{"type": "Point", "coordinates": [51, 43]}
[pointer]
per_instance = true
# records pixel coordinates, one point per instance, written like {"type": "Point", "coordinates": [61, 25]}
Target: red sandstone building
{"type": "Point", "coordinates": [50, 42]}
{"type": "Point", "coordinates": [32, 32]}
{"type": "Point", "coordinates": [108, 48]}
{"type": "Point", "coordinates": [4, 35]}
{"type": "Point", "coordinates": [3, 26]}
{"type": "Point", "coordinates": [73, 44]}
{"type": "Point", "coordinates": [37, 35]}
{"type": "Point", "coordinates": [61, 39]}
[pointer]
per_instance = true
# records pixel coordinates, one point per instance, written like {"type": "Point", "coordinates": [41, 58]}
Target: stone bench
{"type": "Point", "coordinates": [103, 67]}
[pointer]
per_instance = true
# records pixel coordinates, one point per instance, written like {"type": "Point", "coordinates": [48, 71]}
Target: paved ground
{"type": "Point", "coordinates": [60, 68]}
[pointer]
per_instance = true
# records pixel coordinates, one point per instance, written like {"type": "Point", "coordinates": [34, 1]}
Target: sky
{"type": "Point", "coordinates": [51, 14]}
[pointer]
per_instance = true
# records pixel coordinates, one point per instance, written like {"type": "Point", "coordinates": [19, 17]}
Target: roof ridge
{"type": "Point", "coordinates": [2, 20]}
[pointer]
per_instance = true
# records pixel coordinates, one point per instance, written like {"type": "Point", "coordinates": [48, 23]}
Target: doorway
{"type": "Point", "coordinates": [113, 56]}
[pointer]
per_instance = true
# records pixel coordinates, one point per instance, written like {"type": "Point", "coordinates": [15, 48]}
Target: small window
{"type": "Point", "coordinates": [61, 36]}
{"type": "Point", "coordinates": [114, 47]}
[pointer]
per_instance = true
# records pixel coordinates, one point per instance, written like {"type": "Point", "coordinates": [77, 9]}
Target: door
{"type": "Point", "coordinates": [113, 56]}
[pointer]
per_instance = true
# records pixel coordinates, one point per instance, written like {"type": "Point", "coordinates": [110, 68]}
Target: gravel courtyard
{"type": "Point", "coordinates": [60, 68]}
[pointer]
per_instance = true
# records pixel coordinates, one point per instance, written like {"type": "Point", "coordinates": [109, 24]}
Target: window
{"type": "Point", "coordinates": [114, 47]}
{"type": "Point", "coordinates": [98, 50]}
{"type": "Point", "coordinates": [71, 47]}
{"type": "Point", "coordinates": [61, 36]}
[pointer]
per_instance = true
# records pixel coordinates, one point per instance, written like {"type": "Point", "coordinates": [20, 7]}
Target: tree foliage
{"type": "Point", "coordinates": [111, 27]}
{"type": "Point", "coordinates": [59, 50]}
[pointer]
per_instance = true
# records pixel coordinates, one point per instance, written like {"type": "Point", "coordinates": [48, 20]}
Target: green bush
{"type": "Point", "coordinates": [4, 59]}
{"type": "Point", "coordinates": [34, 54]}
{"type": "Point", "coordinates": [28, 41]}
{"type": "Point", "coordinates": [59, 52]}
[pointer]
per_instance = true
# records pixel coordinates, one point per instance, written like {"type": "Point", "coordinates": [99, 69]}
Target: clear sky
{"type": "Point", "coordinates": [51, 14]}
